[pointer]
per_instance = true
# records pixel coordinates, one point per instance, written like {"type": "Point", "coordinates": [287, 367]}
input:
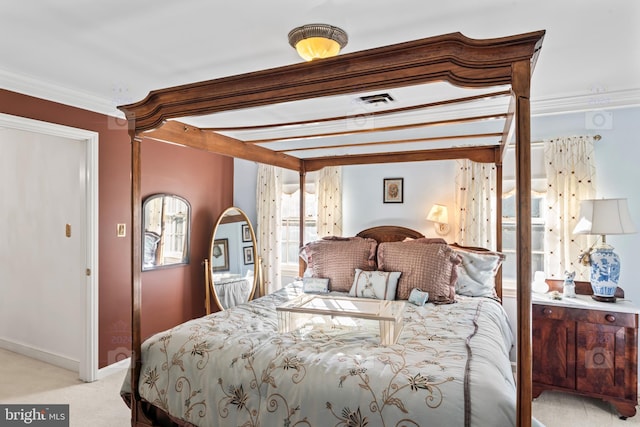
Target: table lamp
{"type": "Point", "coordinates": [602, 217]}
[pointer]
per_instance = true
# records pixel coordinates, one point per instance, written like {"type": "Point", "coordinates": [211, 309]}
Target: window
{"type": "Point", "coordinates": [176, 234]}
{"type": "Point", "coordinates": [509, 236]}
{"type": "Point", "coordinates": [290, 209]}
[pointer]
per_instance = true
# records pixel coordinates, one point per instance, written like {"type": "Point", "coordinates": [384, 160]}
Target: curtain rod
{"type": "Point", "coordinates": [535, 143]}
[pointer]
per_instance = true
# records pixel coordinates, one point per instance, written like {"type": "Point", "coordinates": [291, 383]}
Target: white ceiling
{"type": "Point", "coordinates": [98, 55]}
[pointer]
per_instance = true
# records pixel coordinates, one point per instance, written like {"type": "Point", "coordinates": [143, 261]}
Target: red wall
{"type": "Point", "coordinates": [175, 294]}
{"type": "Point", "coordinates": [171, 295]}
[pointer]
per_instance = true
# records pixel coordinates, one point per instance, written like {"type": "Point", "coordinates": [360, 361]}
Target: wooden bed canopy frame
{"type": "Point", "coordinates": [451, 58]}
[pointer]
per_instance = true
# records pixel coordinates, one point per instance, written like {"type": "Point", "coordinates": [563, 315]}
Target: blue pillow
{"type": "Point", "coordinates": [418, 297]}
{"type": "Point", "coordinates": [315, 285]}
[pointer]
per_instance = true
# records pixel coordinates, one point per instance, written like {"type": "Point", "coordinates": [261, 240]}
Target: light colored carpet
{"type": "Point", "coordinates": [98, 404]}
{"type": "Point", "coordinates": [555, 409]}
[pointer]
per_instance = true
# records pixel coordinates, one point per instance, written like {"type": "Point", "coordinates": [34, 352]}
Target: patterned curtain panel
{"type": "Point", "coordinates": [329, 193]}
{"type": "Point", "coordinates": [570, 169]}
{"type": "Point", "coordinates": [268, 197]}
{"type": "Point", "coordinates": [475, 204]}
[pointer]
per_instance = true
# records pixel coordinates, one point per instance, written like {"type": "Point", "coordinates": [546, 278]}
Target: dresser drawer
{"type": "Point", "coordinates": [602, 317]}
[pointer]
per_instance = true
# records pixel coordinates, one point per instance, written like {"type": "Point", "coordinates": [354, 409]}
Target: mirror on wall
{"type": "Point", "coordinates": [232, 270]}
{"type": "Point", "coordinates": [165, 237]}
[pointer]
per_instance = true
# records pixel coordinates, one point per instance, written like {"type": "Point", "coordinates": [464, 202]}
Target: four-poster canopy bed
{"type": "Point", "coordinates": [459, 90]}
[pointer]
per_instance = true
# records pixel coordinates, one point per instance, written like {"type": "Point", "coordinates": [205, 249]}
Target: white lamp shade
{"type": "Point", "coordinates": [439, 214]}
{"type": "Point", "coordinates": [604, 216]}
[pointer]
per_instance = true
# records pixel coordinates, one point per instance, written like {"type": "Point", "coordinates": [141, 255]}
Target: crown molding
{"type": "Point", "coordinates": [539, 107]}
{"type": "Point", "coordinates": [586, 102]}
{"type": "Point", "coordinates": [55, 93]}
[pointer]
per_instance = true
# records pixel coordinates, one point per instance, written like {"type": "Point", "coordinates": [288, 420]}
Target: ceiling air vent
{"type": "Point", "coordinates": [377, 99]}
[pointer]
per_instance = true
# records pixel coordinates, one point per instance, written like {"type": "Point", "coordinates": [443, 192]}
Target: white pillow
{"type": "Point", "coordinates": [375, 284]}
{"type": "Point", "coordinates": [477, 273]}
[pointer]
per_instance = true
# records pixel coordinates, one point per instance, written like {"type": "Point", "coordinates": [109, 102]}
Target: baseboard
{"type": "Point", "coordinates": [114, 368]}
{"type": "Point", "coordinates": [42, 355]}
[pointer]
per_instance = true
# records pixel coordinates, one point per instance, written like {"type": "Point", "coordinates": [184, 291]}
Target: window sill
{"type": "Point", "coordinates": [289, 270]}
{"type": "Point", "coordinates": [509, 292]}
{"type": "Point", "coordinates": [509, 289]}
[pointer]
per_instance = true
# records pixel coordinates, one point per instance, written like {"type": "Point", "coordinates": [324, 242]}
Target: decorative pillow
{"type": "Point", "coordinates": [375, 284]}
{"type": "Point", "coordinates": [336, 258]}
{"type": "Point", "coordinates": [477, 271]}
{"type": "Point", "coordinates": [315, 285]}
{"type": "Point", "coordinates": [418, 297]}
{"type": "Point", "coordinates": [427, 264]}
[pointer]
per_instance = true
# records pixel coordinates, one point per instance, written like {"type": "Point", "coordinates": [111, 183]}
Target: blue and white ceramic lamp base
{"type": "Point", "coordinates": [605, 271]}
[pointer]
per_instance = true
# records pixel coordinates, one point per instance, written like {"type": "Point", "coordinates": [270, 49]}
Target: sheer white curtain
{"type": "Point", "coordinates": [329, 193]}
{"type": "Point", "coordinates": [268, 198]}
{"type": "Point", "coordinates": [570, 169]}
{"type": "Point", "coordinates": [475, 204]}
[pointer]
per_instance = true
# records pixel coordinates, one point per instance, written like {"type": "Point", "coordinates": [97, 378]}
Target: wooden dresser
{"type": "Point", "coordinates": [586, 347]}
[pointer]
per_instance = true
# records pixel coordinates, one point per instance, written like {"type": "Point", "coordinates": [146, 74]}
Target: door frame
{"type": "Point", "coordinates": [88, 363]}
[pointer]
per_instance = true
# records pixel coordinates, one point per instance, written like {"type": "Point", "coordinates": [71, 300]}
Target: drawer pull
{"type": "Point", "coordinates": [610, 318]}
{"type": "Point", "coordinates": [547, 311]}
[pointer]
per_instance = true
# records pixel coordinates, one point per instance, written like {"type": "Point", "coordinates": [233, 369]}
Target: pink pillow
{"type": "Point", "coordinates": [426, 264]}
{"type": "Point", "coordinates": [336, 259]}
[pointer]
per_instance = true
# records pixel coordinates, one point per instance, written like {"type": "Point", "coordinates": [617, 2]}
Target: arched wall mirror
{"type": "Point", "coordinates": [232, 270]}
{"type": "Point", "coordinates": [165, 237]}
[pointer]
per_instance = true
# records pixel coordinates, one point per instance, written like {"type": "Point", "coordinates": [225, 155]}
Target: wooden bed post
{"type": "Point", "coordinates": [499, 224]}
{"type": "Point", "coordinates": [136, 236]}
{"type": "Point", "coordinates": [521, 83]}
{"type": "Point", "coordinates": [301, 264]}
{"type": "Point", "coordinates": [137, 416]}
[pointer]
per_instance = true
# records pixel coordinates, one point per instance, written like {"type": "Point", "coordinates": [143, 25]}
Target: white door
{"type": "Point", "coordinates": [44, 310]}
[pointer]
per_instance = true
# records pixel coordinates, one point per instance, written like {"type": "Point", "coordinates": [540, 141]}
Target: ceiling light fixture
{"type": "Point", "coordinates": [315, 41]}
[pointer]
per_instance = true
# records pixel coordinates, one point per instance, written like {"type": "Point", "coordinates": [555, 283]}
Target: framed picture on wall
{"type": "Point", "coordinates": [393, 191]}
{"type": "Point", "coordinates": [220, 255]}
{"type": "Point", "coordinates": [246, 234]}
{"type": "Point", "coordinates": [248, 255]}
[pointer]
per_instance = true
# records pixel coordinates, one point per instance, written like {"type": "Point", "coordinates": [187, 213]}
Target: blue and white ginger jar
{"type": "Point", "coordinates": [605, 271]}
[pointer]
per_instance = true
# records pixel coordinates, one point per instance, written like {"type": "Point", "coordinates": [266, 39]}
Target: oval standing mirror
{"type": "Point", "coordinates": [165, 237]}
{"type": "Point", "coordinates": [231, 267]}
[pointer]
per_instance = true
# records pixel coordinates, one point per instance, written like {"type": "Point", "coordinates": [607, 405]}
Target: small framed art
{"type": "Point", "coordinates": [393, 191]}
{"type": "Point", "coordinates": [248, 255]}
{"type": "Point", "coordinates": [220, 255]}
{"type": "Point", "coordinates": [246, 234]}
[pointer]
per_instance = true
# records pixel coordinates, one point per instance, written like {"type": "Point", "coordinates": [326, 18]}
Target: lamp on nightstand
{"type": "Point", "coordinates": [604, 216]}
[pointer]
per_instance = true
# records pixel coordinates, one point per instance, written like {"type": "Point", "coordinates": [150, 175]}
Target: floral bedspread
{"type": "Point", "coordinates": [450, 367]}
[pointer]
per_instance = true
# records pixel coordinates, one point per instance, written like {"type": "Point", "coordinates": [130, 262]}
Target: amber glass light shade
{"type": "Point", "coordinates": [316, 41]}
